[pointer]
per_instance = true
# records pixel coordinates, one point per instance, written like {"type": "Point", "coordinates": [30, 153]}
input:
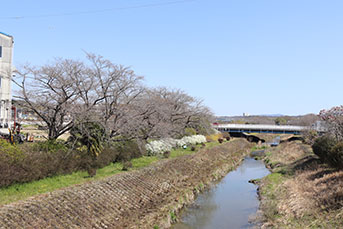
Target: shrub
{"type": "Point", "coordinates": [49, 146]}
{"type": "Point", "coordinates": [28, 162]}
{"type": "Point", "coordinates": [127, 150]}
{"type": "Point", "coordinates": [127, 165]}
{"type": "Point", "coordinates": [11, 152]}
{"type": "Point", "coordinates": [193, 140]}
{"type": "Point", "coordinates": [309, 136]}
{"type": "Point", "coordinates": [180, 143]}
{"type": "Point", "coordinates": [108, 155]}
{"type": "Point", "coordinates": [336, 156]}
{"type": "Point", "coordinates": [166, 154]}
{"type": "Point", "coordinates": [329, 150]}
{"type": "Point", "coordinates": [174, 143]}
{"type": "Point", "coordinates": [88, 139]}
{"type": "Point", "coordinates": [323, 146]}
{"type": "Point", "coordinates": [34, 161]}
{"type": "Point", "coordinates": [220, 140]}
{"type": "Point", "coordinates": [160, 146]}
{"type": "Point", "coordinates": [90, 135]}
{"type": "Point", "coordinates": [91, 171]}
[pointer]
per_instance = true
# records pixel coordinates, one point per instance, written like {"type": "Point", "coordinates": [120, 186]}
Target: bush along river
{"type": "Point", "coordinates": [232, 203]}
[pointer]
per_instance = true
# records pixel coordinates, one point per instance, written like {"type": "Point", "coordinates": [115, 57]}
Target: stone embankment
{"type": "Point", "coordinates": [138, 199]}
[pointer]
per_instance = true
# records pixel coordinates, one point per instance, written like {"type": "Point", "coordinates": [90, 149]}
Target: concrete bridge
{"type": "Point", "coordinates": [258, 128]}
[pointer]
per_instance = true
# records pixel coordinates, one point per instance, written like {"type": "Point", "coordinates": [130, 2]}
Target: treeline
{"type": "Point", "coordinates": [329, 148]}
{"type": "Point", "coordinates": [107, 110]}
{"type": "Point", "coordinates": [70, 93]}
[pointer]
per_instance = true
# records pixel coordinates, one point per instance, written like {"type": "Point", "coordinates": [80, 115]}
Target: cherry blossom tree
{"type": "Point", "coordinates": [334, 119]}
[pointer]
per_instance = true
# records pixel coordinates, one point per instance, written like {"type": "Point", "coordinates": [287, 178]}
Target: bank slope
{"type": "Point", "coordinates": [301, 192]}
{"type": "Point", "coordinates": [137, 199]}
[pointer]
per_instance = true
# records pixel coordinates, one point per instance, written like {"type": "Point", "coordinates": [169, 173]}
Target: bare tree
{"type": "Point", "coordinates": [49, 91]}
{"type": "Point", "coordinates": [118, 87]}
{"type": "Point", "coordinates": [68, 93]}
{"type": "Point", "coordinates": [165, 113]}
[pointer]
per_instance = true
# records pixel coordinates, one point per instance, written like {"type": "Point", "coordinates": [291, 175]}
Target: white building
{"type": "Point", "coordinates": [6, 71]}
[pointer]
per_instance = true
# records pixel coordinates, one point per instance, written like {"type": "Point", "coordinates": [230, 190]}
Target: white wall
{"type": "Point", "coordinates": [6, 70]}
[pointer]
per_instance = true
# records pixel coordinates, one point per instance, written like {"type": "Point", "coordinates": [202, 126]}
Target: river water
{"type": "Point", "coordinates": [230, 204]}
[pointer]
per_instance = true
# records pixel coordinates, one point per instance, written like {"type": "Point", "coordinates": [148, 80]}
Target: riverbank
{"type": "Point", "coordinates": [301, 192]}
{"type": "Point", "coordinates": [23, 191]}
{"type": "Point", "coordinates": [147, 198]}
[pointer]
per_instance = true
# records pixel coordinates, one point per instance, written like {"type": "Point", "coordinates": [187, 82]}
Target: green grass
{"type": "Point", "coordinates": [272, 182]}
{"type": "Point", "coordinates": [256, 148]}
{"type": "Point", "coordinates": [144, 161]}
{"type": "Point", "coordinates": [274, 179]}
{"type": "Point", "coordinates": [172, 216]}
{"type": "Point", "coordinates": [269, 191]}
{"type": "Point", "coordinates": [22, 191]}
{"type": "Point", "coordinates": [181, 152]}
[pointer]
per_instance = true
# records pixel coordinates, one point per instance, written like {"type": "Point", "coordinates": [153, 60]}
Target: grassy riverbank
{"type": "Point", "coordinates": [145, 198]}
{"type": "Point", "coordinates": [301, 192]}
{"type": "Point", "coordinates": [22, 191]}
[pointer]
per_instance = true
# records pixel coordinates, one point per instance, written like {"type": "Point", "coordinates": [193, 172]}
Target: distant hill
{"type": "Point", "coordinates": [271, 115]}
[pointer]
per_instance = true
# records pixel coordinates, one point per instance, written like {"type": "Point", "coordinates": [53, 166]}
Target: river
{"type": "Point", "coordinates": [229, 204]}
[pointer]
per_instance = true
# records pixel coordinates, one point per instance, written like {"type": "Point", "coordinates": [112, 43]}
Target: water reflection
{"type": "Point", "coordinates": [230, 203]}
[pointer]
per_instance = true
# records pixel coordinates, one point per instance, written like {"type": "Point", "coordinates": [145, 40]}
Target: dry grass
{"type": "Point", "coordinates": [266, 137]}
{"type": "Point", "coordinates": [41, 135]}
{"type": "Point", "coordinates": [310, 195]}
{"type": "Point", "coordinates": [285, 154]}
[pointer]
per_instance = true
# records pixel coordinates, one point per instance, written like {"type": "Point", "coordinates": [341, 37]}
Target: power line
{"type": "Point", "coordinates": [97, 11]}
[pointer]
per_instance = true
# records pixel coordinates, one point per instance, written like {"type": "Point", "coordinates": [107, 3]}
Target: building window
{"type": "Point", "coordinates": [0, 51]}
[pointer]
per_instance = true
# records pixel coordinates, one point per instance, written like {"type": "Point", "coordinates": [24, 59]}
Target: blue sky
{"type": "Point", "coordinates": [254, 56]}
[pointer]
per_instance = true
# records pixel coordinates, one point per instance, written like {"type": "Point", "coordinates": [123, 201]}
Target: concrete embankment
{"type": "Point", "coordinates": [139, 199]}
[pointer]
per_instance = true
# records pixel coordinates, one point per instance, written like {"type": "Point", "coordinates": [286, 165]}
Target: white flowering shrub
{"type": "Point", "coordinates": [170, 141]}
{"type": "Point", "coordinates": [180, 143]}
{"type": "Point", "coordinates": [167, 144]}
{"type": "Point", "coordinates": [194, 139]}
{"type": "Point", "coordinates": [158, 147]}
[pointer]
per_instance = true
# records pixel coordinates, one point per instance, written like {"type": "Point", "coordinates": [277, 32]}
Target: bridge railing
{"type": "Point", "coordinates": [258, 128]}
{"type": "Point", "coordinates": [258, 131]}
